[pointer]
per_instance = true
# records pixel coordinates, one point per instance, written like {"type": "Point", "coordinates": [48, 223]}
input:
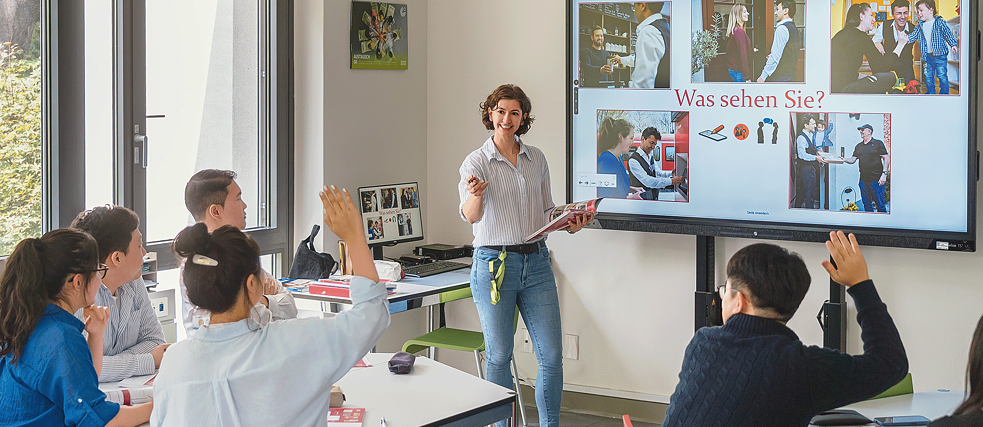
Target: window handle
{"type": "Point", "coordinates": [141, 148]}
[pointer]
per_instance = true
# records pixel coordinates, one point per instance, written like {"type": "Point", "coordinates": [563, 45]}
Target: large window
{"type": "Point", "coordinates": [106, 101]}
{"type": "Point", "coordinates": [20, 122]}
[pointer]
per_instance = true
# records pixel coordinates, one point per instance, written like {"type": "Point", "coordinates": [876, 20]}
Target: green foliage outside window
{"type": "Point", "coordinates": [20, 147]}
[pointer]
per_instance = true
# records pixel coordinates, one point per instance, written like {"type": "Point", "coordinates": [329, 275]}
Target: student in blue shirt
{"type": "Point", "coordinates": [48, 373]}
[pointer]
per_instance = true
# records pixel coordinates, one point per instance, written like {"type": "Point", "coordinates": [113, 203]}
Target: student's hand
{"type": "Point", "coordinates": [96, 318]}
{"type": "Point", "coordinates": [578, 223]}
{"type": "Point", "coordinates": [341, 215]}
{"type": "Point", "coordinates": [158, 353]}
{"type": "Point", "coordinates": [850, 265]}
{"type": "Point", "coordinates": [476, 186]}
{"type": "Point", "coordinates": [271, 286]}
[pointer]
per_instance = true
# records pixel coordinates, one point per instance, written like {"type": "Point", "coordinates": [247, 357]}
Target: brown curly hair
{"type": "Point", "coordinates": [508, 91]}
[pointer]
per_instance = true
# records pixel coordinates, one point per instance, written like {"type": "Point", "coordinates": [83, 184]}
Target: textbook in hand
{"type": "Point", "coordinates": [561, 215]}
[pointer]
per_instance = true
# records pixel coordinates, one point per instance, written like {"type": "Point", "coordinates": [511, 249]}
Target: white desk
{"type": "Point", "coordinates": [930, 404]}
{"type": "Point", "coordinates": [432, 394]}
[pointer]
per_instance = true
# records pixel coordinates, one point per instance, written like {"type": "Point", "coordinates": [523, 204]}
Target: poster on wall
{"type": "Point", "coordinates": [378, 36]}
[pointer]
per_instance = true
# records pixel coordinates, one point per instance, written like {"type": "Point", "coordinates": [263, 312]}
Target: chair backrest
{"type": "Point", "coordinates": [904, 387]}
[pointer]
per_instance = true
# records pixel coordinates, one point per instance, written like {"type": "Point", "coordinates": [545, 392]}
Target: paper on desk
{"type": "Point", "coordinates": [345, 417]}
{"type": "Point", "coordinates": [138, 382]}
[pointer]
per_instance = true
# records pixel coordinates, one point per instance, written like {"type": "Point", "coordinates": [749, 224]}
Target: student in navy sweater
{"type": "Point", "coordinates": [754, 371]}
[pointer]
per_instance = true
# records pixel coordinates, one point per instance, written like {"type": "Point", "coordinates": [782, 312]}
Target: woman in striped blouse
{"type": "Point", "coordinates": [505, 195]}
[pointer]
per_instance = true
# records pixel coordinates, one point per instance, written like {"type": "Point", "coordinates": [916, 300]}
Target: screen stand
{"type": "Point", "coordinates": [376, 252]}
{"type": "Point", "coordinates": [833, 317]}
{"type": "Point", "coordinates": [707, 300]}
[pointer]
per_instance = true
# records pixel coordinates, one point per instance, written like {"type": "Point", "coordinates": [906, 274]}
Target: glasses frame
{"type": "Point", "coordinates": [102, 269]}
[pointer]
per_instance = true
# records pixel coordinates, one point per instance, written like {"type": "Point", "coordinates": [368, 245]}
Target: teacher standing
{"type": "Point", "coordinates": [505, 195]}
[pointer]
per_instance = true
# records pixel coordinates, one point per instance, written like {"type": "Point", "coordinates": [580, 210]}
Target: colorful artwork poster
{"type": "Point", "coordinates": [378, 36]}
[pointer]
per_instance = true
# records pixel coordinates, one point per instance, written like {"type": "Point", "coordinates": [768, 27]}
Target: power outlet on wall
{"type": "Point", "coordinates": [526, 342]}
{"type": "Point", "coordinates": [571, 346]}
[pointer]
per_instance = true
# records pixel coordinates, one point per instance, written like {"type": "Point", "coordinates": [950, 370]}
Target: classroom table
{"type": "Point", "coordinates": [930, 404]}
{"type": "Point", "coordinates": [432, 394]}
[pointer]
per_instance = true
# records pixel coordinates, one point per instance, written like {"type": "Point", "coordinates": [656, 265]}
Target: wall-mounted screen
{"type": "Point", "coordinates": [777, 119]}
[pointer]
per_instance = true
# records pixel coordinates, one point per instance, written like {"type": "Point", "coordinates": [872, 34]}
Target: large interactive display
{"type": "Point", "coordinates": [777, 119]}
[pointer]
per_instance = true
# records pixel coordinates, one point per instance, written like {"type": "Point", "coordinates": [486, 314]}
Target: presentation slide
{"type": "Point", "coordinates": [810, 112]}
{"type": "Point", "coordinates": [391, 213]}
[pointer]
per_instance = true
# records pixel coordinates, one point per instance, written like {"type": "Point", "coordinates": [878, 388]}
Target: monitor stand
{"type": "Point", "coordinates": [377, 252]}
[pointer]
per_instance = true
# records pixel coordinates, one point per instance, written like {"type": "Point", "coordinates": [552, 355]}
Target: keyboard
{"type": "Point", "coordinates": [436, 267]}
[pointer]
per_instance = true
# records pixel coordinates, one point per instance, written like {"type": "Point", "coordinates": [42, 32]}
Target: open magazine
{"type": "Point", "coordinates": [561, 215]}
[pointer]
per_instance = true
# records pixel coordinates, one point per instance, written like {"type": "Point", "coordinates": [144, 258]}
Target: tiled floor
{"type": "Point", "coordinates": [572, 419]}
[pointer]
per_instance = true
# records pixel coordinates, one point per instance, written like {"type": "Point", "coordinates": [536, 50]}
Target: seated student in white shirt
{"type": "Point", "coordinates": [134, 341]}
{"type": "Point", "coordinates": [215, 199]}
{"type": "Point", "coordinates": [235, 371]}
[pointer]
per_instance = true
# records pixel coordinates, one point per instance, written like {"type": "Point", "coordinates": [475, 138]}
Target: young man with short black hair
{"type": "Point", "coordinates": [215, 199]}
{"type": "Point", "coordinates": [133, 342]}
{"type": "Point", "coordinates": [754, 371]}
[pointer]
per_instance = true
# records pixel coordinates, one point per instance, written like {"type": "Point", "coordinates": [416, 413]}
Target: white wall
{"type": "Point", "coordinates": [357, 127]}
{"type": "Point", "coordinates": [629, 296]}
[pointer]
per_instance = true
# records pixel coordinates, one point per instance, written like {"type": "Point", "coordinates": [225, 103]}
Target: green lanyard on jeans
{"type": "Point", "coordinates": [497, 277]}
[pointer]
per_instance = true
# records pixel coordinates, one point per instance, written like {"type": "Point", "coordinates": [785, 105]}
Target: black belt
{"type": "Point", "coordinates": [526, 249]}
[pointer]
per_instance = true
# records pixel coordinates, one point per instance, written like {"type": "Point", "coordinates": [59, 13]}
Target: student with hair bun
{"type": "Point", "coordinates": [237, 371]}
{"type": "Point", "coordinates": [48, 372]}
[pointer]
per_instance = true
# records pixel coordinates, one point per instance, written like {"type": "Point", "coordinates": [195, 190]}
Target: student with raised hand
{"type": "Point", "coordinates": [133, 342]}
{"type": "Point", "coordinates": [970, 412]}
{"type": "Point", "coordinates": [237, 372]}
{"type": "Point", "coordinates": [214, 198]}
{"type": "Point", "coordinates": [48, 372]}
{"type": "Point", "coordinates": [754, 371]}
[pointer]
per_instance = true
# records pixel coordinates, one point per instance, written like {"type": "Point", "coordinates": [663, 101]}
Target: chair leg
{"type": "Point", "coordinates": [477, 361]}
{"type": "Point", "coordinates": [518, 390]}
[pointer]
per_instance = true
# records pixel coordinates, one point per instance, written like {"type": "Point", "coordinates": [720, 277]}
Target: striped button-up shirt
{"type": "Point", "coordinates": [517, 199]}
{"type": "Point", "coordinates": [131, 332]}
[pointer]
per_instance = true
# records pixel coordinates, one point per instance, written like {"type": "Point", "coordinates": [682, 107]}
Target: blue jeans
{"type": "Point", "coordinates": [736, 75]}
{"type": "Point", "coordinates": [936, 66]}
{"type": "Point", "coordinates": [872, 187]}
{"type": "Point", "coordinates": [528, 284]}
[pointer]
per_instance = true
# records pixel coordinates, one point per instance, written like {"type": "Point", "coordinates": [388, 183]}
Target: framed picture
{"type": "Point", "coordinates": [378, 36]}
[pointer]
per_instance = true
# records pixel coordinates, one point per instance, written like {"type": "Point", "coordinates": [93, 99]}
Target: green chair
{"type": "Point", "coordinates": [463, 340]}
{"type": "Point", "coordinates": [903, 387]}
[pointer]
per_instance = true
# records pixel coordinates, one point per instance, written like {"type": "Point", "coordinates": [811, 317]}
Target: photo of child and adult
{"type": "Point", "coordinates": [625, 45]}
{"type": "Point", "coordinates": [754, 41]}
{"type": "Point", "coordinates": [901, 46]}
{"type": "Point", "coordinates": [645, 154]}
{"type": "Point", "coordinates": [840, 162]}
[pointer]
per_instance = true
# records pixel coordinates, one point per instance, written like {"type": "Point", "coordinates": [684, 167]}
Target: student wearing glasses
{"type": "Point", "coordinates": [754, 370]}
{"type": "Point", "coordinates": [49, 373]}
{"type": "Point", "coordinates": [134, 341]}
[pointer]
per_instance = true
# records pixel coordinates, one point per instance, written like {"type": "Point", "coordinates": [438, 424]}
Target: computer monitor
{"type": "Point", "coordinates": [390, 215]}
